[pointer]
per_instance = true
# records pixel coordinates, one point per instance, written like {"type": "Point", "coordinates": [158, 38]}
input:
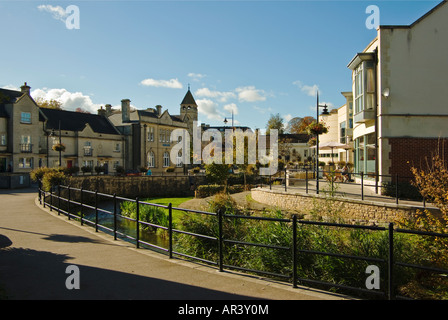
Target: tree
{"type": "Point", "coordinates": [49, 104]}
{"type": "Point", "coordinates": [218, 173]}
{"type": "Point", "coordinates": [299, 125]}
{"type": "Point", "coordinates": [275, 122]}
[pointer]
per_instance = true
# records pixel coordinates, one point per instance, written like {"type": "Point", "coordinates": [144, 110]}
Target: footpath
{"type": "Point", "coordinates": [37, 246]}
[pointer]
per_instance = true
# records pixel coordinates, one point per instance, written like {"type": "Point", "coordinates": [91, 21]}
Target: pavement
{"type": "Point", "coordinates": [37, 247]}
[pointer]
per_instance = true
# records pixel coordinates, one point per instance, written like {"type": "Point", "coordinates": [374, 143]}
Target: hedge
{"type": "Point", "coordinates": [208, 190]}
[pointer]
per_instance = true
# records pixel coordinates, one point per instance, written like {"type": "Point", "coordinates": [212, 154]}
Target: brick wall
{"type": "Point", "coordinates": [408, 152]}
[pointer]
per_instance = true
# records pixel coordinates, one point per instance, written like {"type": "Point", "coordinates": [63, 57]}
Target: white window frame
{"type": "Point", "coordinates": [25, 117]}
{"type": "Point", "coordinates": [166, 159]}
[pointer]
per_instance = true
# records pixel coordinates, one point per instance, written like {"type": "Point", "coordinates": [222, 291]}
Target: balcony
{"type": "Point", "coordinates": [364, 116]}
{"type": "Point", "coordinates": [88, 152]}
{"type": "Point", "coordinates": [26, 148]}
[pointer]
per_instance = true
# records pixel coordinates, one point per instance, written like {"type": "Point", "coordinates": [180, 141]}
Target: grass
{"type": "Point", "coordinates": [177, 214]}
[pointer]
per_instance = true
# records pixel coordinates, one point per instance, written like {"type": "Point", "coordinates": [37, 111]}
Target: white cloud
{"type": "Point", "coordinates": [287, 118]}
{"type": "Point", "coordinates": [309, 90]}
{"type": "Point", "coordinates": [70, 100]}
{"type": "Point", "coordinates": [57, 12]}
{"type": "Point", "coordinates": [222, 96]}
{"type": "Point", "coordinates": [209, 108]}
{"type": "Point", "coordinates": [262, 110]}
{"type": "Point", "coordinates": [250, 94]}
{"type": "Point", "coordinates": [196, 76]}
{"type": "Point", "coordinates": [172, 83]}
{"type": "Point", "coordinates": [231, 107]}
{"type": "Point", "coordinates": [11, 87]}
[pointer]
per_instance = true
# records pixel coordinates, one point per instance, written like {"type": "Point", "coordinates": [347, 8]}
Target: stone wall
{"type": "Point", "coordinates": [139, 186]}
{"type": "Point", "coordinates": [350, 210]}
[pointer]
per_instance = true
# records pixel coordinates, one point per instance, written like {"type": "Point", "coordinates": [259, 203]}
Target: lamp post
{"type": "Point", "coordinates": [60, 143]}
{"type": "Point", "coordinates": [324, 113]}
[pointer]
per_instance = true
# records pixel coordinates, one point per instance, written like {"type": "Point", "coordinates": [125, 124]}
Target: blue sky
{"type": "Point", "coordinates": [254, 57]}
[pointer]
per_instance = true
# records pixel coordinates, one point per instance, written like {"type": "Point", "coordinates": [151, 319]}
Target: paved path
{"type": "Point", "coordinates": [36, 247]}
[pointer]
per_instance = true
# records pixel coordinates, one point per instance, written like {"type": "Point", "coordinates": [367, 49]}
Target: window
{"type": "Point", "coordinates": [87, 163]}
{"type": "Point", "coordinates": [364, 86]}
{"type": "Point", "coordinates": [25, 117]}
{"type": "Point", "coordinates": [25, 163]}
{"type": "Point", "coordinates": [116, 164]}
{"type": "Point", "coordinates": [342, 132]}
{"type": "Point", "coordinates": [25, 144]}
{"type": "Point", "coordinates": [151, 160]}
{"type": "Point", "coordinates": [3, 140]}
{"type": "Point", "coordinates": [166, 159]}
{"type": "Point", "coordinates": [179, 159]}
{"type": "Point", "coordinates": [151, 134]}
{"type": "Point", "coordinates": [359, 92]}
{"type": "Point", "coordinates": [88, 151]}
{"type": "Point", "coordinates": [117, 147]}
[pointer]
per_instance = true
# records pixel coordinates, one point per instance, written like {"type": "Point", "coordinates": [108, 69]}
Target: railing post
{"type": "Point", "coordinates": [270, 182]}
{"type": "Point", "coordinates": [51, 198]}
{"type": "Point", "coordinates": [391, 261]}
{"type": "Point", "coordinates": [96, 210]}
{"type": "Point", "coordinates": [170, 229]}
{"type": "Point", "coordinates": [82, 205]}
{"type": "Point", "coordinates": [39, 191]}
{"type": "Point", "coordinates": [59, 200]}
{"type": "Point", "coordinates": [286, 182]}
{"type": "Point", "coordinates": [137, 231]}
{"type": "Point", "coordinates": [362, 185]}
{"type": "Point", "coordinates": [220, 240]}
{"type": "Point", "coordinates": [396, 188]}
{"type": "Point", "coordinates": [115, 216]}
{"type": "Point", "coordinates": [43, 201]}
{"type": "Point", "coordinates": [306, 179]}
{"type": "Point", "coordinates": [68, 203]}
{"type": "Point", "coordinates": [294, 251]}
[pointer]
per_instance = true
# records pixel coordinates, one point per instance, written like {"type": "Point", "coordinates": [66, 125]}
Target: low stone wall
{"type": "Point", "coordinates": [351, 210]}
{"type": "Point", "coordinates": [139, 186]}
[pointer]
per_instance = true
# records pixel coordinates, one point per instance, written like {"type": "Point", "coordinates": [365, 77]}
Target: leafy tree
{"type": "Point", "coordinates": [299, 125]}
{"type": "Point", "coordinates": [275, 122]}
{"type": "Point", "coordinates": [217, 173]}
{"type": "Point", "coordinates": [49, 104]}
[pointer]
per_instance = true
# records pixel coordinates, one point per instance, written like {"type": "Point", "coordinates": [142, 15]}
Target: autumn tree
{"type": "Point", "coordinates": [299, 125]}
{"type": "Point", "coordinates": [48, 104]}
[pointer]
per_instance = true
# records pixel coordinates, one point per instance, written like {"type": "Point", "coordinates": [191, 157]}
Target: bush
{"type": "Point", "coordinates": [208, 190]}
{"type": "Point", "coordinates": [405, 191]}
{"type": "Point", "coordinates": [38, 173]}
{"type": "Point", "coordinates": [53, 178]}
{"type": "Point", "coordinates": [86, 169]}
{"type": "Point", "coordinates": [119, 169]}
{"type": "Point", "coordinates": [147, 213]}
{"type": "Point", "coordinates": [170, 169]}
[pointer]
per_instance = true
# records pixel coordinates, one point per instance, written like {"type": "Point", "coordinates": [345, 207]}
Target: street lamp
{"type": "Point", "coordinates": [324, 113]}
{"type": "Point", "coordinates": [53, 134]}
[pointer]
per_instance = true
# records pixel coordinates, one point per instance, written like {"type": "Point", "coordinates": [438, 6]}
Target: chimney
{"type": "Point", "coordinates": [125, 110]}
{"type": "Point", "coordinates": [101, 111]}
{"type": "Point", "coordinates": [159, 110]}
{"type": "Point", "coordinates": [25, 88]}
{"type": "Point", "coordinates": [108, 110]}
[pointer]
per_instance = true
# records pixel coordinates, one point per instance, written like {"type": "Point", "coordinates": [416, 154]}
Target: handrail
{"type": "Point", "coordinates": [47, 199]}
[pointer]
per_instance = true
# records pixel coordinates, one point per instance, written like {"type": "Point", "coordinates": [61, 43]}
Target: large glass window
{"type": "Point", "coordinates": [365, 154]}
{"type": "Point", "coordinates": [342, 132]}
{"type": "Point", "coordinates": [364, 86]}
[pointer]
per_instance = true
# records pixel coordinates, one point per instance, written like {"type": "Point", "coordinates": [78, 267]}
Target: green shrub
{"type": "Point", "coordinates": [207, 190]}
{"type": "Point", "coordinates": [147, 213]}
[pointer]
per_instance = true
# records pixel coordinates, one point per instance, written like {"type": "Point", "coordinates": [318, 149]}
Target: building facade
{"type": "Point", "coordinates": [147, 134]}
{"type": "Point", "coordinates": [399, 96]}
{"type": "Point", "coordinates": [28, 133]}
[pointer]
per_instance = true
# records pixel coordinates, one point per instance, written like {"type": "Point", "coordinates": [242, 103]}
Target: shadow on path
{"type": "Point", "coordinates": [38, 275]}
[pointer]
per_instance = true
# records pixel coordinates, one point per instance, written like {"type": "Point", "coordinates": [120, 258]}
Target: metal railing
{"type": "Point", "coordinates": [395, 184]}
{"type": "Point", "coordinates": [55, 201]}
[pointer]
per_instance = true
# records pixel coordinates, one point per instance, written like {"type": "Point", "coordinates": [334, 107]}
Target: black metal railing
{"type": "Point", "coordinates": [75, 199]}
{"type": "Point", "coordinates": [392, 187]}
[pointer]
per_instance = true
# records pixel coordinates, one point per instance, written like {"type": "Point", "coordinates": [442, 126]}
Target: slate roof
{"type": "Point", "coordinates": [6, 97]}
{"type": "Point", "coordinates": [188, 99]}
{"type": "Point", "coordinates": [76, 121]}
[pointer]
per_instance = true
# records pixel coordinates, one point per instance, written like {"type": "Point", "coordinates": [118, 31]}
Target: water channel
{"type": "Point", "coordinates": [124, 226]}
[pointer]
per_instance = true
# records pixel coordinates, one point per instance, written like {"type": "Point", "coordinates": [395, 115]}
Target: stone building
{"type": "Point", "coordinates": [147, 133]}
{"type": "Point", "coordinates": [28, 133]}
